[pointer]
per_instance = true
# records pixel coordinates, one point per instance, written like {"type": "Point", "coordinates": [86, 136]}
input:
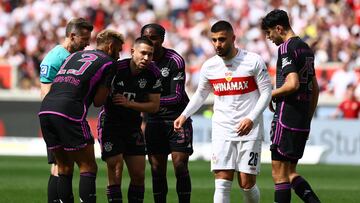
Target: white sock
{"type": "Point", "coordinates": [251, 195]}
{"type": "Point", "coordinates": [222, 191]}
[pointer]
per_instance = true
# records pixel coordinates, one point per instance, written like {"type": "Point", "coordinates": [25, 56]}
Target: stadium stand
{"type": "Point", "coordinates": [34, 27]}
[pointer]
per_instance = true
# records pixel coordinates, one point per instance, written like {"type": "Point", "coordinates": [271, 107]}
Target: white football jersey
{"type": "Point", "coordinates": [235, 84]}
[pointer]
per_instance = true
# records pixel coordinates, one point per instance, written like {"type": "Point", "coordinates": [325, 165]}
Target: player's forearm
{"type": "Point", "coordinates": [290, 86]}
{"type": "Point", "coordinates": [262, 103]}
{"type": "Point", "coordinates": [101, 96]}
{"type": "Point", "coordinates": [44, 88]}
{"type": "Point", "coordinates": [195, 103]}
{"type": "Point", "coordinates": [285, 90]}
{"type": "Point", "coordinates": [148, 107]}
{"type": "Point", "coordinates": [314, 97]}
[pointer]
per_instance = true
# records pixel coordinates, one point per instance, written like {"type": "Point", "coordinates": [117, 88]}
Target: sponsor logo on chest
{"type": "Point", "coordinates": [226, 86]}
{"type": "Point", "coordinates": [233, 86]}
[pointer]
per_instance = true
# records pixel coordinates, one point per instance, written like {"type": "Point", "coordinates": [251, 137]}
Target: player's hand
{"type": "Point", "coordinates": [119, 99]}
{"type": "Point", "coordinates": [178, 123]}
{"type": "Point", "coordinates": [271, 107]}
{"type": "Point", "coordinates": [244, 127]}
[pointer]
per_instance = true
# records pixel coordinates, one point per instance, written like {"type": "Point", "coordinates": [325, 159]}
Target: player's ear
{"type": "Point", "coordinates": [111, 46]}
{"type": "Point", "coordinates": [279, 28]}
{"type": "Point", "coordinates": [107, 48]}
{"type": "Point", "coordinates": [132, 51]}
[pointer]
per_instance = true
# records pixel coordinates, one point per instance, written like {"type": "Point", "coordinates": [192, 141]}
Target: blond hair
{"type": "Point", "coordinates": [107, 36]}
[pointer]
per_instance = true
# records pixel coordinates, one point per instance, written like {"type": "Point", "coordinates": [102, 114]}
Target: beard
{"type": "Point", "coordinates": [278, 41]}
{"type": "Point", "coordinates": [76, 48]}
{"type": "Point", "coordinates": [223, 52]}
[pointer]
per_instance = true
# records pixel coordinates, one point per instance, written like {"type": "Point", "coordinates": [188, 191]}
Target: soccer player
{"type": "Point", "coordinates": [161, 140]}
{"type": "Point", "coordinates": [242, 90]}
{"type": "Point", "coordinates": [77, 37]}
{"type": "Point", "coordinates": [83, 79]}
{"type": "Point", "coordinates": [296, 97]}
{"type": "Point", "coordinates": [136, 88]}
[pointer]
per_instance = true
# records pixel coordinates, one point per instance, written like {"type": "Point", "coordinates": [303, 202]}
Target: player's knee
{"type": "Point", "coordinates": [93, 167]}
{"type": "Point", "coordinates": [180, 168]}
{"type": "Point", "coordinates": [157, 169]}
{"type": "Point", "coordinates": [137, 175]}
{"type": "Point", "coordinates": [87, 164]}
{"type": "Point", "coordinates": [247, 181]}
{"type": "Point", "coordinates": [111, 165]}
{"type": "Point", "coordinates": [138, 178]}
{"type": "Point", "coordinates": [66, 170]}
{"type": "Point", "coordinates": [279, 178]}
{"type": "Point", "coordinates": [247, 184]}
{"type": "Point", "coordinates": [88, 167]}
{"type": "Point", "coordinates": [114, 163]}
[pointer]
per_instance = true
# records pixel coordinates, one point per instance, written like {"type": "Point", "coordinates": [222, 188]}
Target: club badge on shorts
{"type": "Point", "coordinates": [214, 159]}
{"type": "Point", "coordinates": [108, 146]}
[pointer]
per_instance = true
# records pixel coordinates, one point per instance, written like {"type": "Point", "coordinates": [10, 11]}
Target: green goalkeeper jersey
{"type": "Point", "coordinates": [52, 63]}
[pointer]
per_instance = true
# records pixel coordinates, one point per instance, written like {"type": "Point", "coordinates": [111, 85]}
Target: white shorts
{"type": "Point", "coordinates": [241, 156]}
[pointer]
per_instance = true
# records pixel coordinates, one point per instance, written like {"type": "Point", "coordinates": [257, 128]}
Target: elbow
{"type": "Point", "coordinates": [100, 97]}
{"type": "Point", "coordinates": [296, 86]}
{"type": "Point", "coordinates": [293, 88]}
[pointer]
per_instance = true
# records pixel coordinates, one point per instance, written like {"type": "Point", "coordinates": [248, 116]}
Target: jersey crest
{"type": "Point", "coordinates": [108, 146]}
{"type": "Point", "coordinates": [228, 76]}
{"type": "Point", "coordinates": [142, 83]}
{"type": "Point", "coordinates": [165, 72]}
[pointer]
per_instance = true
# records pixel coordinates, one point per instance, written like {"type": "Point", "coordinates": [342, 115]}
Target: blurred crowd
{"type": "Point", "coordinates": [30, 28]}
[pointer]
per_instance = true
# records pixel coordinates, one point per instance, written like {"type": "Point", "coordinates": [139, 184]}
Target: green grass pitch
{"type": "Point", "coordinates": [24, 179]}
